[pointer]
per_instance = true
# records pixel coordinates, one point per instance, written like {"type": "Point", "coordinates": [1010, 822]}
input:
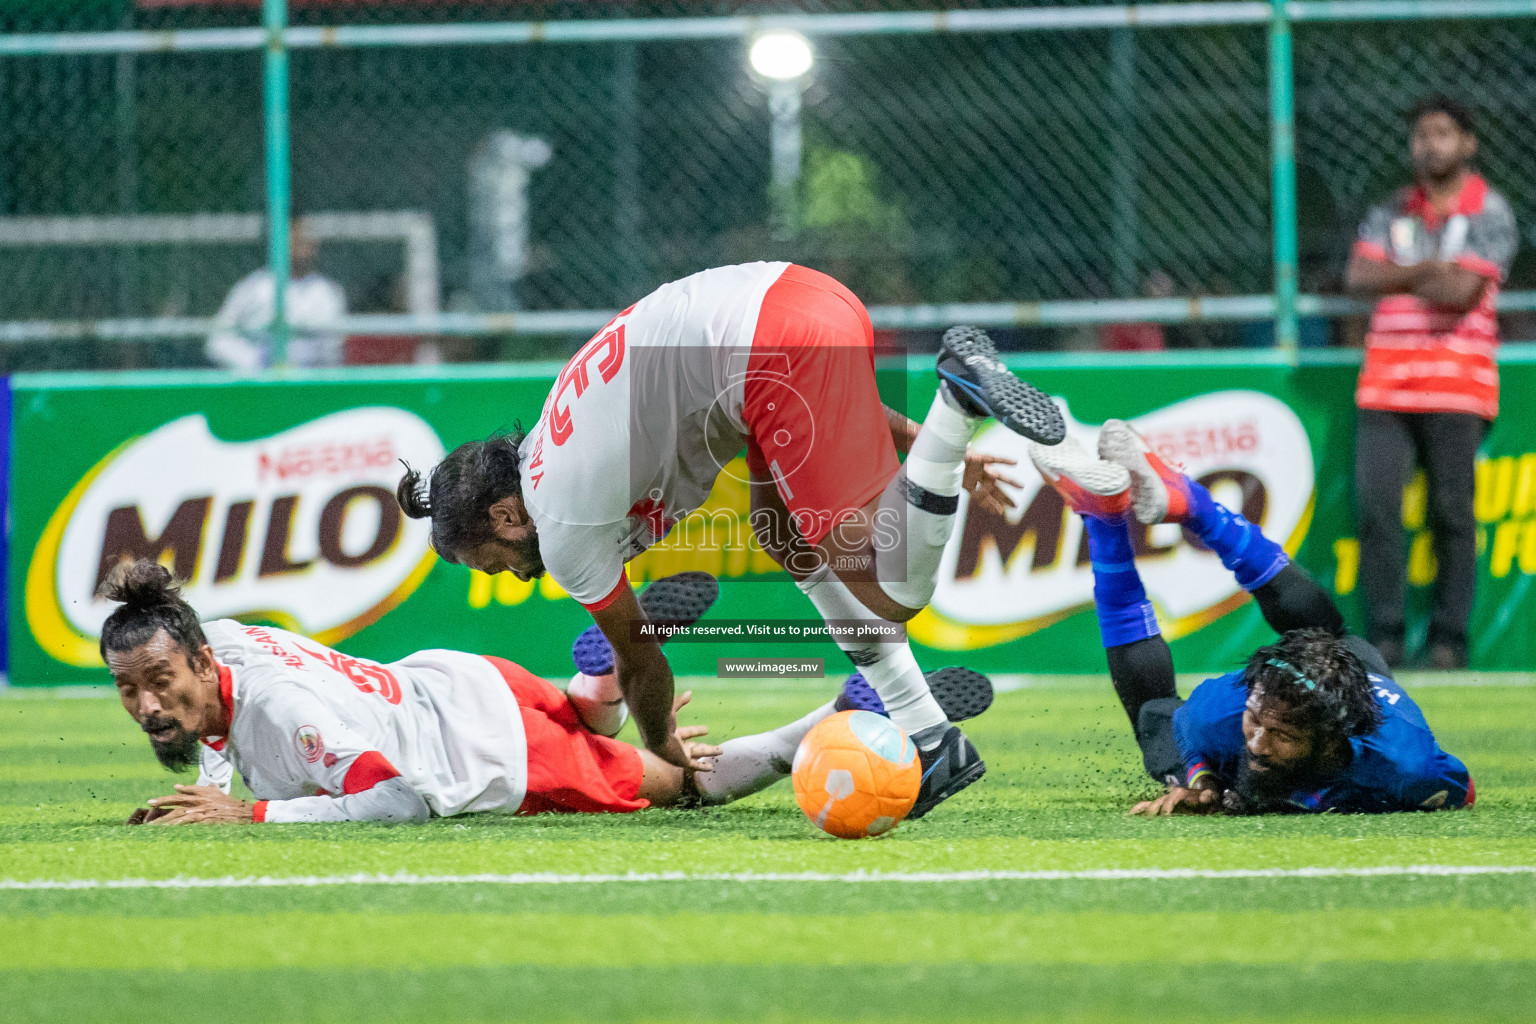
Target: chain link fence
{"type": "Point", "coordinates": [937, 168]}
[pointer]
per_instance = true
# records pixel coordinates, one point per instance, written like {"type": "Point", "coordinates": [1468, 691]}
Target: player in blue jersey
{"type": "Point", "coordinates": [1313, 722]}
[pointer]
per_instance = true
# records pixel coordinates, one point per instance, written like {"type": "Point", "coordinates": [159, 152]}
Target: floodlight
{"type": "Point", "coordinates": [781, 56]}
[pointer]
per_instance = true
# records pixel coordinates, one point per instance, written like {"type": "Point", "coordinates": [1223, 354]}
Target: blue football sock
{"type": "Point", "coordinates": [1253, 558]}
{"type": "Point", "coordinates": [1125, 614]}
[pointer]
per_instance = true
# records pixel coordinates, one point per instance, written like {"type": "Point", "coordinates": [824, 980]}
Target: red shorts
{"type": "Point", "coordinates": [818, 428]}
{"type": "Point", "coordinates": [569, 768]}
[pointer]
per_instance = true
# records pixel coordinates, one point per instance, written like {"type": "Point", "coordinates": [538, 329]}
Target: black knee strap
{"type": "Point", "coordinates": [937, 504]}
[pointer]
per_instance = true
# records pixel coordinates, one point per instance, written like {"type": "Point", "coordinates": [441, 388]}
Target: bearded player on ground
{"type": "Point", "coordinates": [1313, 722]}
{"type": "Point", "coordinates": [778, 359]}
{"type": "Point", "coordinates": [317, 735]}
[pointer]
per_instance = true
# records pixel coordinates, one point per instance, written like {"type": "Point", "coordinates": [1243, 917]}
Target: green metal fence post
{"type": "Point", "coordinates": [274, 18]}
{"type": "Point", "coordinates": [1282, 132]}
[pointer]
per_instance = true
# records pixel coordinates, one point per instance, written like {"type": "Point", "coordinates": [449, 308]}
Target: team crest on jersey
{"type": "Point", "coordinates": [308, 742]}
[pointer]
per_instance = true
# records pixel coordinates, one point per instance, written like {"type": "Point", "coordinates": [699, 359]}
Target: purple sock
{"type": "Point", "coordinates": [1125, 614]}
{"type": "Point", "coordinates": [591, 653]}
{"type": "Point", "coordinates": [1253, 558]}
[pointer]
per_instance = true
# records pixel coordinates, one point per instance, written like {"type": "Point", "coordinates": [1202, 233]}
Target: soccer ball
{"type": "Point", "coordinates": [856, 774]}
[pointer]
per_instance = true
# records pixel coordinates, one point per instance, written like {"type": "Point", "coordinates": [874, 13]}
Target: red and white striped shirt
{"type": "Point", "coordinates": [1420, 357]}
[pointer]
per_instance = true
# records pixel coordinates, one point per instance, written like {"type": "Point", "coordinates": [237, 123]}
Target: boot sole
{"type": "Point", "coordinates": [1016, 404]}
{"type": "Point", "coordinates": [1149, 495]}
{"type": "Point", "coordinates": [1099, 477]}
{"type": "Point", "coordinates": [963, 693]}
{"type": "Point", "coordinates": [681, 599]}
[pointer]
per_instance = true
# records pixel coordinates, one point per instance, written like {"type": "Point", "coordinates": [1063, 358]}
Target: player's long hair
{"type": "Point", "coordinates": [1319, 681]}
{"type": "Point", "coordinates": [459, 492]}
{"type": "Point", "coordinates": [151, 601]}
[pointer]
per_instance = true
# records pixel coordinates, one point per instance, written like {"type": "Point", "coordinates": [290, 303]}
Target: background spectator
{"type": "Point", "coordinates": [1436, 254]}
{"type": "Point", "coordinates": [241, 339]}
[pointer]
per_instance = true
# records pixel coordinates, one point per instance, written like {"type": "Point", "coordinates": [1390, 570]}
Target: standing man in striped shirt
{"type": "Point", "coordinates": [1435, 256]}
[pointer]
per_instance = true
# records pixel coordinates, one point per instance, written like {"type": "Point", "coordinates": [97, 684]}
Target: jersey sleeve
{"type": "Point", "coordinates": [1200, 725]}
{"type": "Point", "coordinates": [1375, 237]}
{"type": "Point", "coordinates": [1444, 783]}
{"type": "Point", "coordinates": [1492, 239]}
{"type": "Point", "coordinates": [315, 745]}
{"type": "Point", "coordinates": [1436, 781]}
{"type": "Point", "coordinates": [392, 801]}
{"type": "Point", "coordinates": [1188, 733]}
{"type": "Point", "coordinates": [588, 561]}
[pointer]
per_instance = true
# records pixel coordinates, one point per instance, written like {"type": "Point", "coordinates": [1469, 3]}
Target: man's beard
{"type": "Point", "coordinates": [528, 554]}
{"type": "Point", "coordinates": [1431, 170]}
{"type": "Point", "coordinates": [1266, 788]}
{"type": "Point", "coordinates": [178, 753]}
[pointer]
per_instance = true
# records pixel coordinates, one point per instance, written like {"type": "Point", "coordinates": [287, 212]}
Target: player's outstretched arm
{"type": "Point", "coordinates": [646, 680]}
{"type": "Point", "coordinates": [390, 800]}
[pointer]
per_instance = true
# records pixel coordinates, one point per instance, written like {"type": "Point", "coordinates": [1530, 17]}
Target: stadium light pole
{"type": "Point", "coordinates": [784, 60]}
{"type": "Point", "coordinates": [1282, 142]}
{"type": "Point", "coordinates": [274, 18]}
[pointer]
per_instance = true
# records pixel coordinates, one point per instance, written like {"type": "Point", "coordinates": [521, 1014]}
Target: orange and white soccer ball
{"type": "Point", "coordinates": [856, 774]}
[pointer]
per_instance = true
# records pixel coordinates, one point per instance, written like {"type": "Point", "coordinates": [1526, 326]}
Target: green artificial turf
{"type": "Point", "coordinates": [1062, 770]}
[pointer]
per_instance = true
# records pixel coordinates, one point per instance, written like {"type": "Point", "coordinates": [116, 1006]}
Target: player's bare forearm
{"type": "Point", "coordinates": [645, 678]}
{"type": "Point", "coordinates": [903, 430]}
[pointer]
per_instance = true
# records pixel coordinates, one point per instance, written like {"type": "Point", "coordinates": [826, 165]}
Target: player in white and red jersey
{"type": "Point", "coordinates": [777, 359]}
{"type": "Point", "coordinates": [320, 736]}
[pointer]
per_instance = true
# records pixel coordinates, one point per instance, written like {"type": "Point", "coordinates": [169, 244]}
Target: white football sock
{"type": "Point", "coordinates": [599, 702]}
{"type": "Point", "coordinates": [753, 763]}
{"type": "Point", "coordinates": [889, 667]}
{"type": "Point", "coordinates": [923, 497]}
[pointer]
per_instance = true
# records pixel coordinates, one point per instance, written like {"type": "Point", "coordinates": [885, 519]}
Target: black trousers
{"type": "Point", "coordinates": [1387, 445]}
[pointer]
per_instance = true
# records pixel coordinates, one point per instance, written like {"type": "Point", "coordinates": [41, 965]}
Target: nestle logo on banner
{"type": "Point", "coordinates": [1004, 577]}
{"type": "Point", "coordinates": [300, 528]}
{"type": "Point", "coordinates": [332, 459]}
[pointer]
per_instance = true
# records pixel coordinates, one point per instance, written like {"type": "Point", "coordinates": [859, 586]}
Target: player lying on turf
{"type": "Point", "coordinates": [320, 736]}
{"type": "Point", "coordinates": [778, 359]}
{"type": "Point", "coordinates": [1313, 722]}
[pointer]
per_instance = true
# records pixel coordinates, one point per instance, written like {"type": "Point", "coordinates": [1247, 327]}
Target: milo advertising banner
{"type": "Point", "coordinates": [274, 501]}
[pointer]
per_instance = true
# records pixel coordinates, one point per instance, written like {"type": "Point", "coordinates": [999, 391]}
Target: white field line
{"type": "Point", "coordinates": [925, 877]}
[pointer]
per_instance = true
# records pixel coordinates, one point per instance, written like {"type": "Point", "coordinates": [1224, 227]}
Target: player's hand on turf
{"type": "Point", "coordinates": [983, 482]}
{"type": "Point", "coordinates": [199, 805]}
{"type": "Point", "coordinates": [1179, 800]}
{"type": "Point", "coordinates": [696, 751]}
{"type": "Point", "coordinates": [678, 750]}
{"type": "Point", "coordinates": [144, 815]}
